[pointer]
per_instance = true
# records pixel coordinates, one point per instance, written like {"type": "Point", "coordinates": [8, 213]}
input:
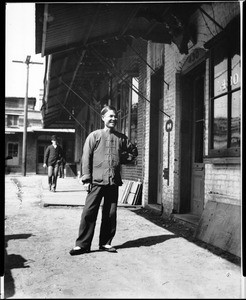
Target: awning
{"type": "Point", "coordinates": [66, 33]}
{"type": "Point", "coordinates": [72, 77]}
{"type": "Point", "coordinates": [61, 27]}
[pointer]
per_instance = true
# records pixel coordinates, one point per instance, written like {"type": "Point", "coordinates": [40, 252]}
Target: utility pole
{"type": "Point", "coordinates": [27, 62]}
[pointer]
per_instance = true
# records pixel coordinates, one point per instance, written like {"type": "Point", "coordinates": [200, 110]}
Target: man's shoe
{"type": "Point", "coordinates": [79, 251]}
{"type": "Point", "coordinates": [107, 248]}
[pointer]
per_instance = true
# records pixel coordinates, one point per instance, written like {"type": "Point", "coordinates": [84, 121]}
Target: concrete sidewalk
{"type": "Point", "coordinates": [70, 192]}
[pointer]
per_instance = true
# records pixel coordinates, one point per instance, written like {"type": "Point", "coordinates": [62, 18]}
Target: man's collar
{"type": "Point", "coordinates": [109, 130]}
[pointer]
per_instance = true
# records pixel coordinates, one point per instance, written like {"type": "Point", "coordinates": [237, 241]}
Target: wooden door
{"type": "Point", "coordinates": [197, 164]}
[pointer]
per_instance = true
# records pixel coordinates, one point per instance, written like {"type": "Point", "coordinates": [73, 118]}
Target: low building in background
{"type": "Point", "coordinates": [37, 140]}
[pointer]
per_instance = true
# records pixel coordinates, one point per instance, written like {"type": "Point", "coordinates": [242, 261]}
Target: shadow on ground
{"type": "Point", "coordinates": [180, 230]}
{"type": "Point", "coordinates": [12, 261]}
{"type": "Point", "coordinates": [146, 241]}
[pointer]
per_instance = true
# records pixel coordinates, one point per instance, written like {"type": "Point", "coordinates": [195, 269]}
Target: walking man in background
{"type": "Point", "coordinates": [103, 153]}
{"type": "Point", "coordinates": [52, 159]}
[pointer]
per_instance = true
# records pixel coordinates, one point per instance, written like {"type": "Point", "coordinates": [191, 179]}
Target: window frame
{"type": "Point", "coordinates": [126, 100]}
{"type": "Point", "coordinates": [13, 144]}
{"type": "Point", "coordinates": [127, 97]}
{"type": "Point", "coordinates": [229, 151]}
{"type": "Point", "coordinates": [11, 118]}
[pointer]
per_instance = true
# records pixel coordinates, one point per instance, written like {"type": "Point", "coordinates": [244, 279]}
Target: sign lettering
{"type": "Point", "coordinates": [169, 125]}
{"type": "Point", "coordinates": [193, 59]}
{"type": "Point", "coordinates": [223, 84]}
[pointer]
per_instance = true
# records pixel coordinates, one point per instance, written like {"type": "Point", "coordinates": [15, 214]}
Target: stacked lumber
{"type": "Point", "coordinates": [130, 192]}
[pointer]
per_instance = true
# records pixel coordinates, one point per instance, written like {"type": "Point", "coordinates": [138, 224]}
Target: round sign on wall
{"type": "Point", "coordinates": [169, 125]}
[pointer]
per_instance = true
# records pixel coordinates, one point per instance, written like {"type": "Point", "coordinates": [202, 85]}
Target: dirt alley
{"type": "Point", "coordinates": [156, 258]}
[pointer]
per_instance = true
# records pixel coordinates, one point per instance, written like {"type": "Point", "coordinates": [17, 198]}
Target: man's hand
{"type": "Point", "coordinates": [87, 187]}
{"type": "Point", "coordinates": [130, 157]}
{"type": "Point", "coordinates": [44, 165]}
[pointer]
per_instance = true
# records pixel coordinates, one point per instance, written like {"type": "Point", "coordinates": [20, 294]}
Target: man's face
{"type": "Point", "coordinates": [110, 119]}
{"type": "Point", "coordinates": [54, 142]}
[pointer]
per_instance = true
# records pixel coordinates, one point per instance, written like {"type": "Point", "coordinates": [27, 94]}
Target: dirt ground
{"type": "Point", "coordinates": [156, 258]}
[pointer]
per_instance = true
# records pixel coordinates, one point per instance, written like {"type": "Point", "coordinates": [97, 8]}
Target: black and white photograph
{"type": "Point", "coordinates": [123, 150]}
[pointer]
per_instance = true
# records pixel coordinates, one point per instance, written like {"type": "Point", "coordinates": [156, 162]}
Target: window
{"type": "Point", "coordinates": [225, 99]}
{"type": "Point", "coordinates": [12, 120]}
{"type": "Point", "coordinates": [13, 149]}
{"type": "Point", "coordinates": [124, 110]}
{"type": "Point", "coordinates": [127, 105]}
{"type": "Point", "coordinates": [134, 112]}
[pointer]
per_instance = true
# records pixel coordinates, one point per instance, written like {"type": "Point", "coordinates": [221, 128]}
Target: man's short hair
{"type": "Point", "coordinates": [107, 108]}
{"type": "Point", "coordinates": [53, 138]}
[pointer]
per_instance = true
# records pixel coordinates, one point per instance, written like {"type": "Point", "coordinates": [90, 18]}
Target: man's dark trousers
{"type": "Point", "coordinates": [52, 175]}
{"type": "Point", "coordinates": [90, 212]}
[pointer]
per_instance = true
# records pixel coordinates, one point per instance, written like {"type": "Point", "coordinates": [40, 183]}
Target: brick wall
{"type": "Point", "coordinates": [221, 12]}
{"type": "Point", "coordinates": [171, 107]}
{"type": "Point", "coordinates": [147, 72]}
{"type": "Point", "coordinates": [135, 172]}
{"type": "Point", "coordinates": [222, 182]}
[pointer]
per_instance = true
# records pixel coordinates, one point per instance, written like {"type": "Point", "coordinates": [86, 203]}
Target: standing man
{"type": "Point", "coordinates": [52, 158]}
{"type": "Point", "coordinates": [103, 153]}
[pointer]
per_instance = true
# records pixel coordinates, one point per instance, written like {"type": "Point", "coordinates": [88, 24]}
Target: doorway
{"type": "Point", "coordinates": [192, 142]}
{"type": "Point", "coordinates": [156, 139]}
{"type": "Point", "coordinates": [197, 172]}
{"type": "Point", "coordinates": [40, 157]}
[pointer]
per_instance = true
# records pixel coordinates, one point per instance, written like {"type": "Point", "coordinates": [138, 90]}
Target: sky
{"type": "Point", "coordinates": [20, 42]}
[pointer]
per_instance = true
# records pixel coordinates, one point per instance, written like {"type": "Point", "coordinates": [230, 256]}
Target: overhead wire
{"type": "Point", "coordinates": [79, 97]}
{"type": "Point", "coordinates": [203, 12]}
{"type": "Point", "coordinates": [140, 56]}
{"type": "Point", "coordinates": [114, 71]}
{"type": "Point", "coordinates": [212, 19]}
{"type": "Point", "coordinates": [64, 107]}
{"type": "Point", "coordinates": [103, 60]}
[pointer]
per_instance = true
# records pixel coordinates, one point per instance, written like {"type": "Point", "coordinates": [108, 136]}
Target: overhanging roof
{"type": "Point", "coordinates": [68, 31]}
{"type": "Point", "coordinates": [62, 26]}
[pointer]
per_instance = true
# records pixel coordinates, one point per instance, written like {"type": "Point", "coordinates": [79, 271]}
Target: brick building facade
{"type": "Point", "coordinates": [186, 119]}
{"type": "Point", "coordinates": [209, 185]}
